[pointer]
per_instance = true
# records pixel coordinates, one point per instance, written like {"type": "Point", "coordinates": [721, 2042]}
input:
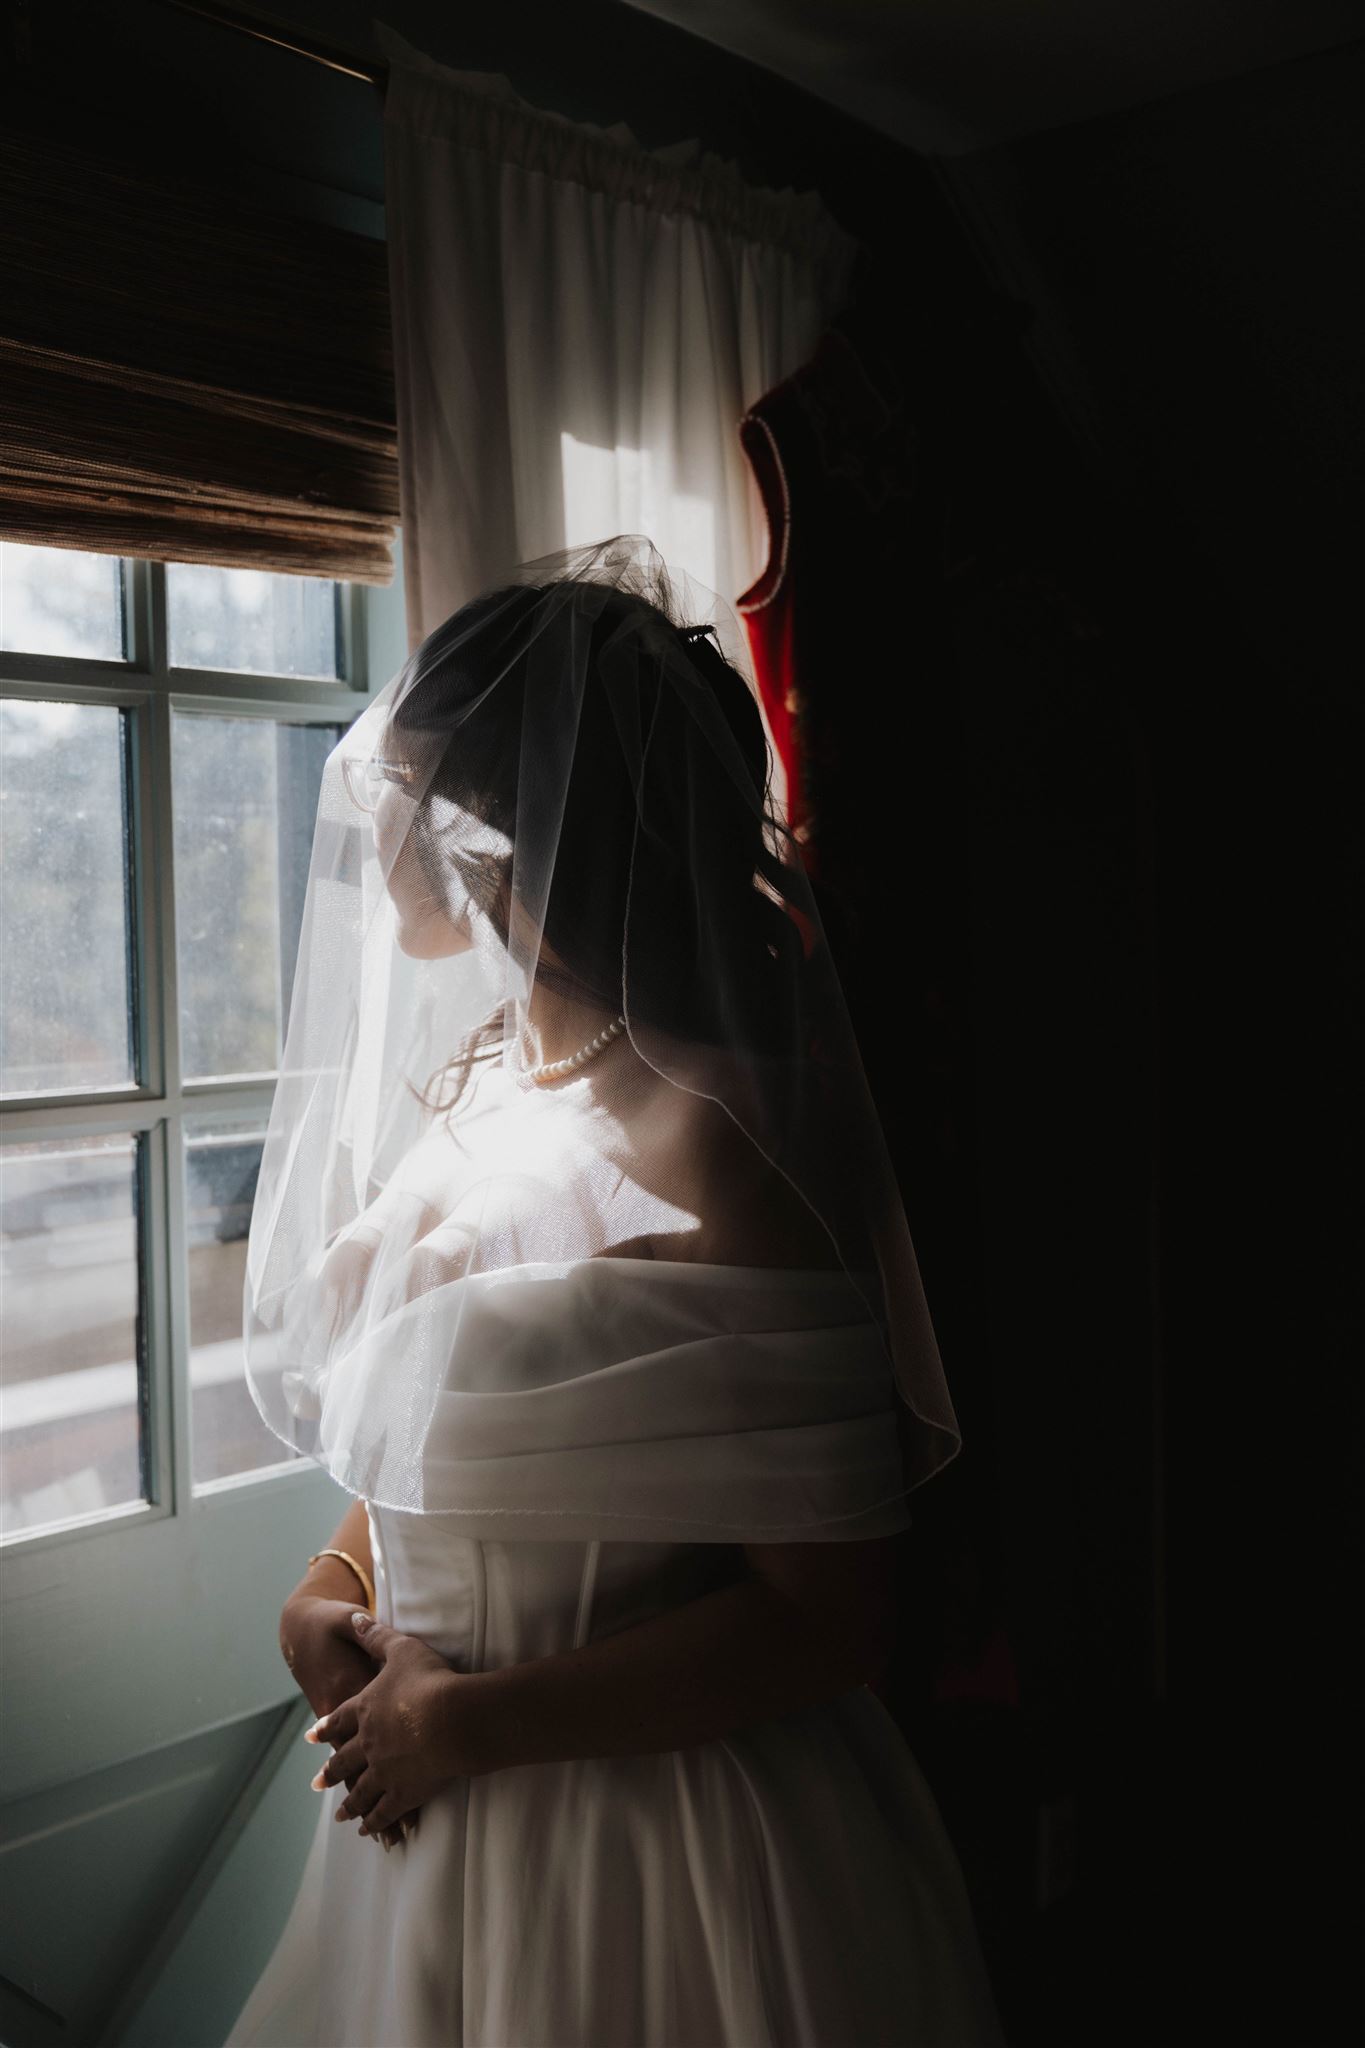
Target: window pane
{"type": "Point", "coordinates": [65, 1011]}
{"type": "Point", "coordinates": [247, 620]}
{"type": "Point", "coordinates": [60, 601]}
{"type": "Point", "coordinates": [222, 1161]}
{"type": "Point", "coordinates": [245, 797]}
{"type": "Point", "coordinates": [70, 1329]}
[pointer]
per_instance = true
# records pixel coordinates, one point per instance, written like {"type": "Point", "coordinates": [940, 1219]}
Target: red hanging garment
{"type": "Point", "coordinates": [827, 450]}
{"type": "Point", "coordinates": [767, 605]}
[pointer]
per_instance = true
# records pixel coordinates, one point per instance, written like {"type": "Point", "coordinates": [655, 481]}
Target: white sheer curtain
{"type": "Point", "coordinates": [579, 324]}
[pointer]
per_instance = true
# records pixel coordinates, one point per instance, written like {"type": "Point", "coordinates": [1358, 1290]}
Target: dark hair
{"type": "Point", "coordinates": [717, 892]}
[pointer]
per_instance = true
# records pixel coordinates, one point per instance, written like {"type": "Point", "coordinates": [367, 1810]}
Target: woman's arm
{"type": "Point", "coordinates": [331, 1578]}
{"type": "Point", "coordinates": [811, 1622]}
{"type": "Point", "coordinates": [316, 1638]}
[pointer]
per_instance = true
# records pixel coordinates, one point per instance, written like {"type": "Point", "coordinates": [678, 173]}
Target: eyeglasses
{"type": "Point", "coordinates": [365, 779]}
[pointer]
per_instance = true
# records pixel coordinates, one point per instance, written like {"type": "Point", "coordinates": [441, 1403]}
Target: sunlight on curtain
{"type": "Point", "coordinates": [579, 326]}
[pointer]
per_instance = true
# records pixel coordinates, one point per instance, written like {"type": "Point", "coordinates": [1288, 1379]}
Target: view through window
{"type": "Point", "coordinates": [163, 729]}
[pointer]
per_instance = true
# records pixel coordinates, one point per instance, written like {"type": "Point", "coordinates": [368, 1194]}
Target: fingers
{"type": "Point", "coordinates": [347, 1762]}
{"type": "Point", "coordinates": [383, 1814]}
{"type": "Point", "coordinates": [359, 1799]}
{"type": "Point", "coordinates": [376, 1809]}
{"type": "Point", "coordinates": [374, 1636]}
{"type": "Point", "coordinates": [338, 1726]}
{"type": "Point", "coordinates": [383, 1822]}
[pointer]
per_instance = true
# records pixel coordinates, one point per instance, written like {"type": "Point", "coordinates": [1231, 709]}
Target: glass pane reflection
{"type": "Point", "coordinates": [70, 1329]}
{"type": "Point", "coordinates": [61, 601]}
{"type": "Point", "coordinates": [65, 1013]}
{"type": "Point", "coordinates": [245, 799]}
{"type": "Point", "coordinates": [250, 621]}
{"type": "Point", "coordinates": [222, 1161]}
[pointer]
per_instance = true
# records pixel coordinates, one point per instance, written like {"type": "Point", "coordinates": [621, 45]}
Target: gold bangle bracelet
{"type": "Point", "coordinates": [359, 1570]}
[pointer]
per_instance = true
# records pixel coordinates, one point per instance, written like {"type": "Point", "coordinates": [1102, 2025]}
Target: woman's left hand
{"type": "Point", "coordinates": [398, 1739]}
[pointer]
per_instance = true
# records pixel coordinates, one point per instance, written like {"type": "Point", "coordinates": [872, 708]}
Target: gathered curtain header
{"type": "Point", "coordinates": [483, 113]}
{"type": "Point", "coordinates": [188, 374]}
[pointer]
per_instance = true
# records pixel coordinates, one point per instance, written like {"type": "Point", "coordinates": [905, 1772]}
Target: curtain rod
{"type": "Point", "coordinates": [373, 70]}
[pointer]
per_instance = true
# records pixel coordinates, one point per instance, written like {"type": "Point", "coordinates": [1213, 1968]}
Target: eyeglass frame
{"type": "Point", "coordinates": [390, 771]}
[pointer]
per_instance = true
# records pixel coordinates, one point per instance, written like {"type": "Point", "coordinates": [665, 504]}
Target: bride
{"type": "Point", "coordinates": [578, 1259]}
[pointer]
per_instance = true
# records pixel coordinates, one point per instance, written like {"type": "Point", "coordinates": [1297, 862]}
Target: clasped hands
{"type": "Point", "coordinates": [401, 1737]}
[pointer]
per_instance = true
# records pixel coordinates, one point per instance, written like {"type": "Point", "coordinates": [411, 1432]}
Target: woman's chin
{"type": "Point", "coordinates": [436, 939]}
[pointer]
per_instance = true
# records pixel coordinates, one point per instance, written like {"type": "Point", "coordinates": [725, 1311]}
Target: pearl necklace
{"type": "Point", "coordinates": [552, 1069]}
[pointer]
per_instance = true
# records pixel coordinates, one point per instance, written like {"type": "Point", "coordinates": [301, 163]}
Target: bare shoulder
{"type": "Point", "coordinates": [749, 1212]}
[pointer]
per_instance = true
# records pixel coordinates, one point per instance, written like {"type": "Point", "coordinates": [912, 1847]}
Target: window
{"type": "Point", "coordinates": [163, 729]}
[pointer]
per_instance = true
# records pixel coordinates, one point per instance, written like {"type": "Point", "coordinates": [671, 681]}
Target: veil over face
{"type": "Point", "coordinates": [555, 819]}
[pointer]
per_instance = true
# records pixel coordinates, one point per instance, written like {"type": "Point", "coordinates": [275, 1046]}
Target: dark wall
{"type": "Point", "coordinates": [1192, 275]}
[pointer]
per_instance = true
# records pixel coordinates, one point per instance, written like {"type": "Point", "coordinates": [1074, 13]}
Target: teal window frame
{"type": "Point", "coordinates": [371, 641]}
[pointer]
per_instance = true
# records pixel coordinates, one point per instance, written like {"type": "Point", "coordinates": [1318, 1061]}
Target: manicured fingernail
{"type": "Point", "coordinates": [319, 1784]}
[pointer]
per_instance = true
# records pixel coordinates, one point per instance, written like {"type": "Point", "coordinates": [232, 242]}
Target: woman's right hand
{"type": "Point", "coordinates": [327, 1663]}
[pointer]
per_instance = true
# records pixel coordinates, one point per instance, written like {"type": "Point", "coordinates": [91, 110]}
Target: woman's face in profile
{"type": "Point", "coordinates": [429, 926]}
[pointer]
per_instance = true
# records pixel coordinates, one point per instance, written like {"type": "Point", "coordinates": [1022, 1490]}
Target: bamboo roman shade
{"type": "Point", "coordinates": [189, 374]}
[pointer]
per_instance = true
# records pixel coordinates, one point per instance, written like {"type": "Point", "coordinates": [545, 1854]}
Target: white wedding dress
{"type": "Point", "coordinates": [789, 1885]}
